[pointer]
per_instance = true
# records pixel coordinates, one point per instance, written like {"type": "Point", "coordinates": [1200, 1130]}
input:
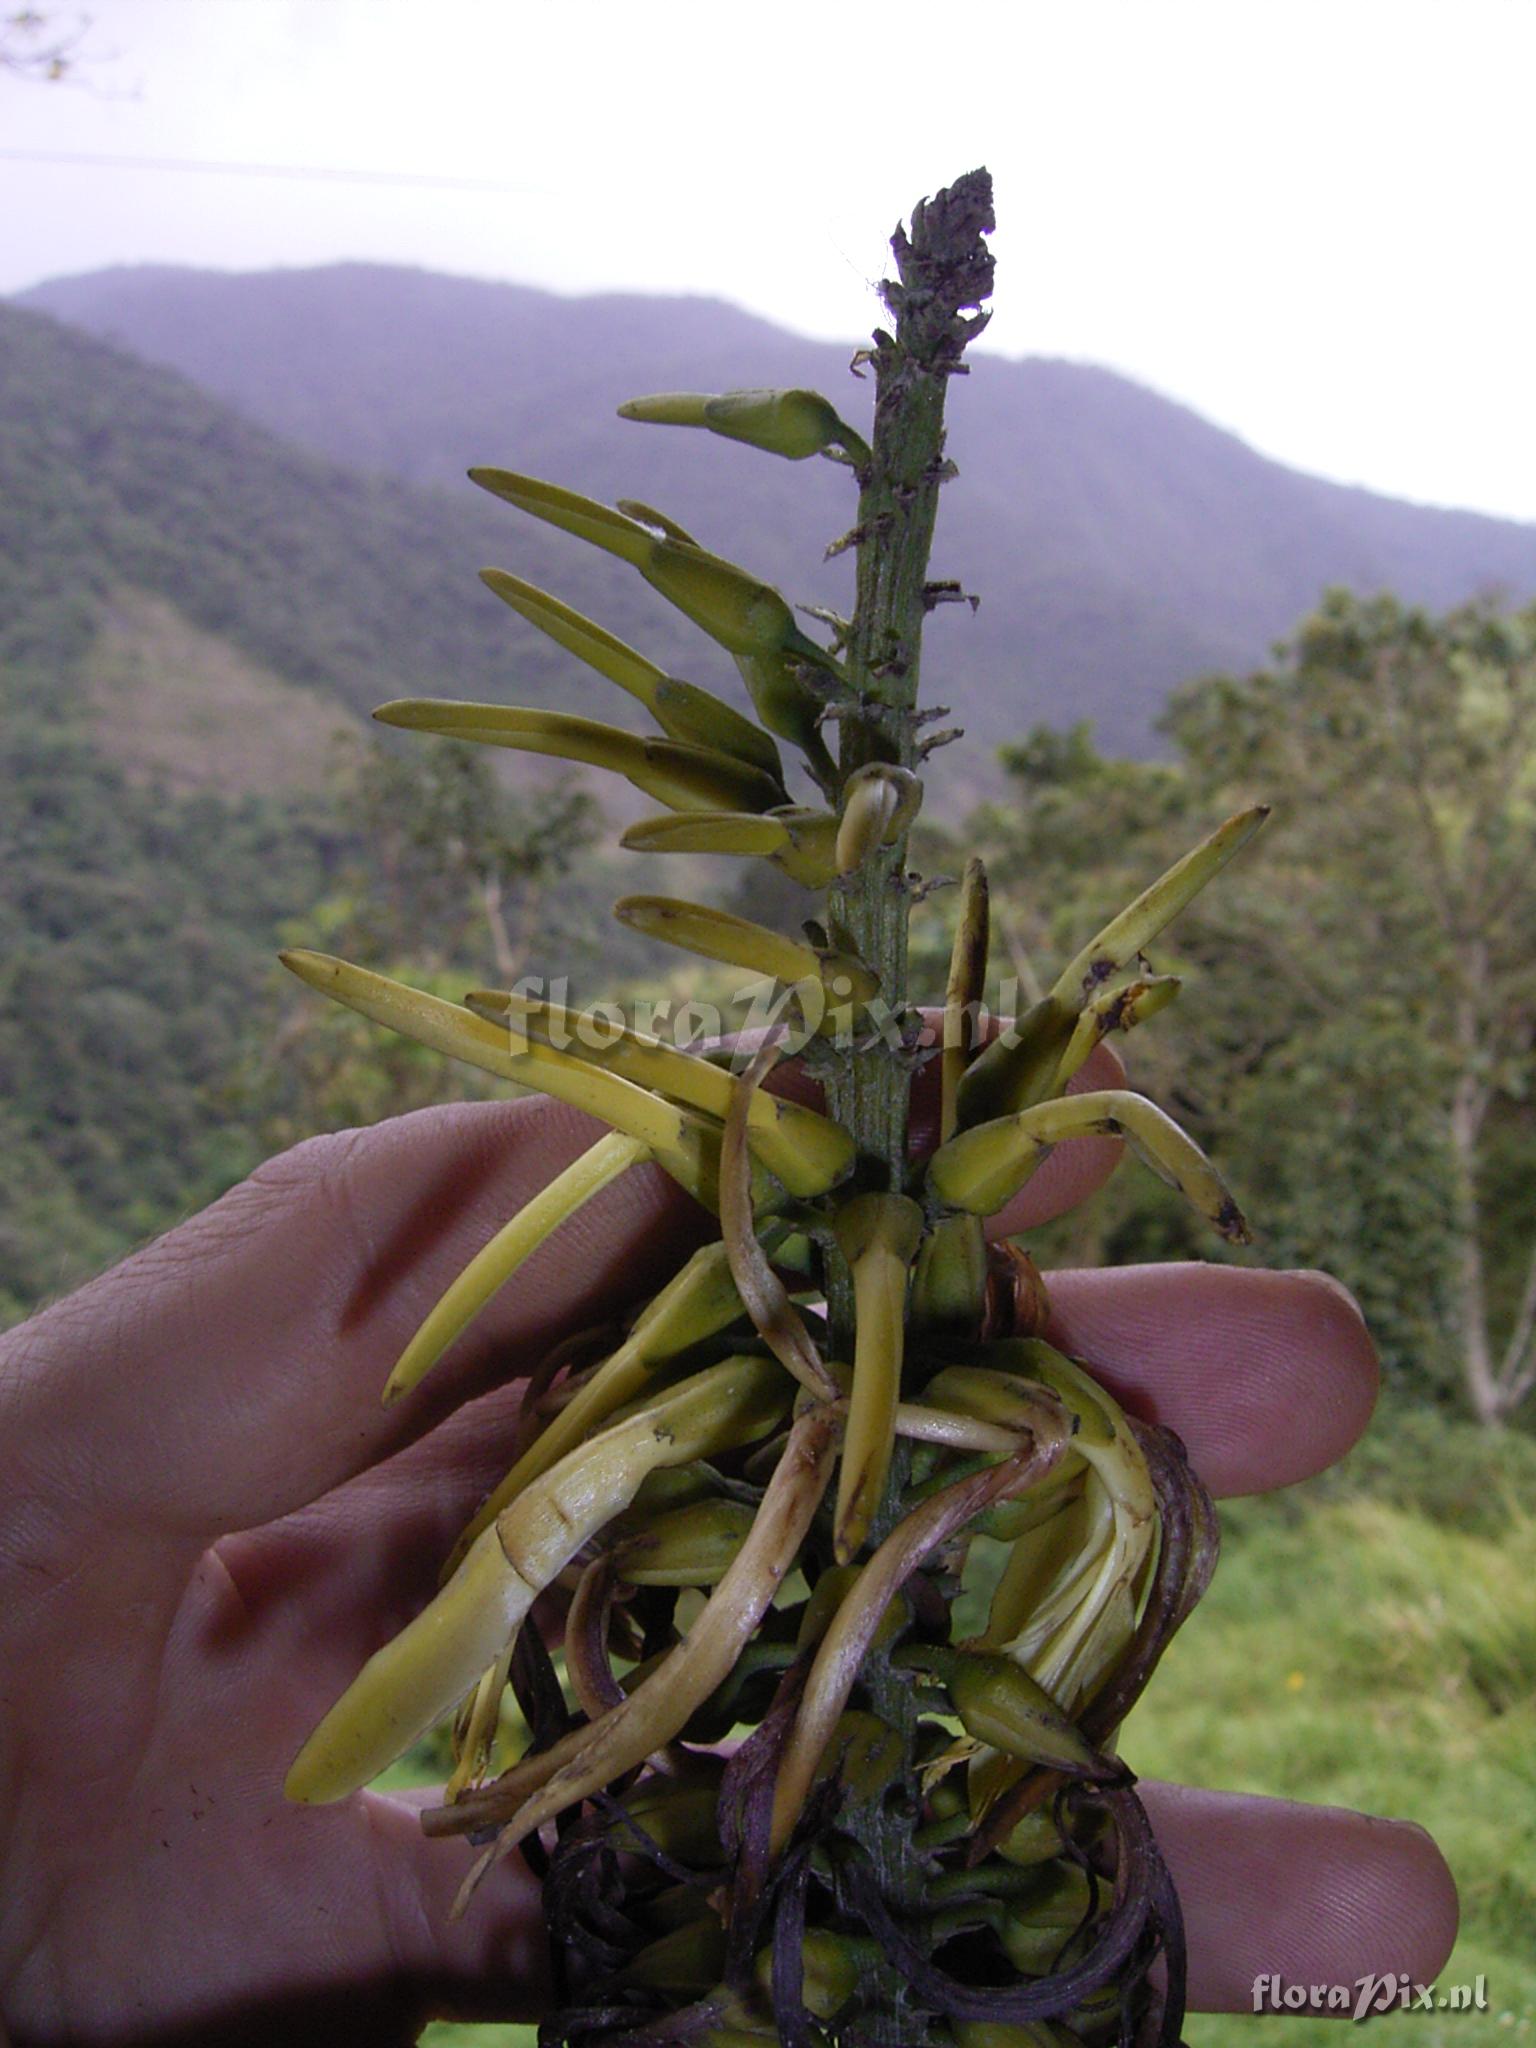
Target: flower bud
{"type": "Point", "coordinates": [787, 704]}
{"type": "Point", "coordinates": [793, 424]}
{"type": "Point", "coordinates": [734, 832]}
{"type": "Point", "coordinates": [686, 777]}
{"type": "Point", "coordinates": [878, 1235]}
{"type": "Point", "coordinates": [701, 719]}
{"type": "Point", "coordinates": [728, 603]}
{"type": "Point", "coordinates": [982, 1168]}
{"type": "Point", "coordinates": [697, 1303]}
{"type": "Point", "coordinates": [949, 1282]}
{"type": "Point", "coordinates": [689, 1546]}
{"type": "Point", "coordinates": [578, 635]}
{"type": "Point", "coordinates": [1036, 1929]}
{"type": "Point", "coordinates": [827, 1596]}
{"type": "Point", "coordinates": [1018, 1068]}
{"type": "Point", "coordinates": [679, 1814]}
{"type": "Point", "coordinates": [879, 803]}
{"type": "Point", "coordinates": [1140, 922]}
{"type": "Point", "coordinates": [1114, 1009]}
{"type": "Point", "coordinates": [1036, 1839]}
{"type": "Point", "coordinates": [1002, 1705]}
{"type": "Point", "coordinates": [585, 517]}
{"type": "Point", "coordinates": [796, 838]}
{"type": "Point", "coordinates": [717, 935]}
{"type": "Point", "coordinates": [832, 1966]}
{"type": "Point", "coordinates": [864, 1754]}
{"type": "Point", "coordinates": [686, 1962]}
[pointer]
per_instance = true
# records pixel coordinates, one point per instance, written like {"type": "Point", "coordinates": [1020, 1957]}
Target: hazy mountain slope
{"type": "Point", "coordinates": [1119, 542]}
{"type": "Point", "coordinates": [122, 475]}
{"type": "Point", "coordinates": [188, 610]}
{"type": "Point", "coordinates": [186, 710]}
{"type": "Point", "coordinates": [118, 474]}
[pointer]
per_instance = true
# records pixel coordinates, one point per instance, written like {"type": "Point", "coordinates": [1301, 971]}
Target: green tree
{"type": "Point", "coordinates": [459, 869]}
{"type": "Point", "coordinates": [1402, 749]}
{"type": "Point", "coordinates": [1360, 1054]}
{"type": "Point", "coordinates": [448, 878]}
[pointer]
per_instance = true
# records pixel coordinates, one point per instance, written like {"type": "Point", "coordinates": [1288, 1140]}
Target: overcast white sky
{"type": "Point", "coordinates": [1312, 220]}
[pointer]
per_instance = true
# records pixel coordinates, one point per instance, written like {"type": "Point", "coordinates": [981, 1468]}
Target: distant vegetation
{"type": "Point", "coordinates": [188, 613]}
{"type": "Point", "coordinates": [1358, 1042]}
{"type": "Point", "coordinates": [133, 940]}
{"type": "Point", "coordinates": [119, 475]}
{"type": "Point", "coordinates": [1364, 1656]}
{"type": "Point", "coordinates": [1119, 544]}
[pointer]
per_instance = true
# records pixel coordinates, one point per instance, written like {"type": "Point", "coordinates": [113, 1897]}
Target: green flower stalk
{"type": "Point", "coordinates": [761, 1500]}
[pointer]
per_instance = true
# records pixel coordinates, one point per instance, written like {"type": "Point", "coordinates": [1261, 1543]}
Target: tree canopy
{"type": "Point", "coordinates": [1359, 1047]}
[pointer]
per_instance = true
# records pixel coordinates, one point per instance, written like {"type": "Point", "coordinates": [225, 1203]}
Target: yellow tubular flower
{"type": "Point", "coordinates": [413, 1681]}
{"type": "Point", "coordinates": [878, 1235]}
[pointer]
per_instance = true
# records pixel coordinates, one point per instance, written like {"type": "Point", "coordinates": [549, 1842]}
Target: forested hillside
{"type": "Point", "coordinates": [192, 619]}
{"type": "Point", "coordinates": [119, 476]}
{"type": "Point", "coordinates": [1119, 543]}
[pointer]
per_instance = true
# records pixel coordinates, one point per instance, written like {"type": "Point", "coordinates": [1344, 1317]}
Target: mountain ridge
{"type": "Point", "coordinates": [120, 475]}
{"type": "Point", "coordinates": [1119, 542]}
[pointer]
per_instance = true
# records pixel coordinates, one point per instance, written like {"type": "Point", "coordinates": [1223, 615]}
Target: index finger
{"type": "Point", "coordinates": [231, 1372]}
{"type": "Point", "coordinates": [1267, 1377]}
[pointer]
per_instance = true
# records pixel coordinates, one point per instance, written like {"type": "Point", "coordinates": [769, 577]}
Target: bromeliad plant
{"type": "Point", "coordinates": [913, 1839]}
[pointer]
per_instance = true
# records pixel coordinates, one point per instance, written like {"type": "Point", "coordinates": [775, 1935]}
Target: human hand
{"type": "Point", "coordinates": [211, 1523]}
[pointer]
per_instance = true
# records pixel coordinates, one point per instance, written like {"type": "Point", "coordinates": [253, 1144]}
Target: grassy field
{"type": "Point", "coordinates": [1361, 1655]}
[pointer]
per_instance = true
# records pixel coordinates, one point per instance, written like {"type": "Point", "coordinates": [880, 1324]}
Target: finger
{"type": "Point", "coordinates": [1268, 1377]}
{"type": "Point", "coordinates": [1306, 1894]}
{"type": "Point", "coordinates": [229, 1373]}
{"type": "Point", "coordinates": [432, 1485]}
{"type": "Point", "coordinates": [352, 1938]}
{"type": "Point", "coordinates": [232, 1371]}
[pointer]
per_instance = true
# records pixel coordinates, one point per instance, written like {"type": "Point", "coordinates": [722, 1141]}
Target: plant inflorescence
{"type": "Point", "coordinates": [775, 1791]}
